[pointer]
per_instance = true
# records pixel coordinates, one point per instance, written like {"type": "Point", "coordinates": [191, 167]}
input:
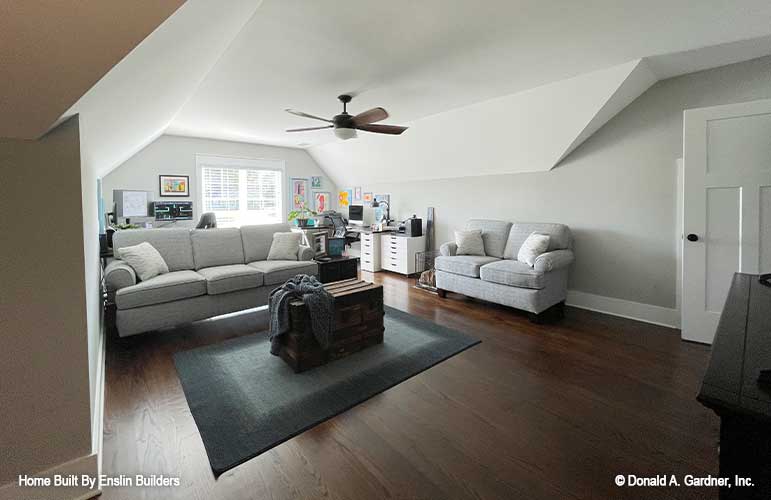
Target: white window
{"type": "Point", "coordinates": [241, 191]}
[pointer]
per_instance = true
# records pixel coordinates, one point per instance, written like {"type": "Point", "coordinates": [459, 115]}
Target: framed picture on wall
{"type": "Point", "coordinates": [315, 182]}
{"type": "Point", "coordinates": [174, 185]}
{"type": "Point", "coordinates": [357, 193]}
{"type": "Point", "coordinates": [322, 201]}
{"type": "Point", "coordinates": [299, 196]}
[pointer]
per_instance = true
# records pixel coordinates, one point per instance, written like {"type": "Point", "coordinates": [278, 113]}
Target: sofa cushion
{"type": "Point", "coordinates": [257, 240]}
{"type": "Point", "coordinates": [167, 287]}
{"type": "Point", "coordinates": [217, 247]}
{"type": "Point", "coordinates": [466, 265]}
{"type": "Point", "coordinates": [559, 236]}
{"type": "Point", "coordinates": [512, 273]}
{"type": "Point", "coordinates": [494, 234]}
{"type": "Point", "coordinates": [285, 246]}
{"type": "Point", "coordinates": [278, 271]}
{"type": "Point", "coordinates": [173, 245]}
{"type": "Point", "coordinates": [145, 260]}
{"type": "Point", "coordinates": [230, 278]}
{"type": "Point", "coordinates": [469, 242]}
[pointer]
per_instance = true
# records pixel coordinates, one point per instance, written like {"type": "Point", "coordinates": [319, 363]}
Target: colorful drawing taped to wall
{"type": "Point", "coordinates": [174, 185]}
{"type": "Point", "coordinates": [315, 182]}
{"type": "Point", "coordinates": [299, 193]}
{"type": "Point", "coordinates": [344, 198]}
{"type": "Point", "coordinates": [381, 211]}
{"type": "Point", "coordinates": [321, 201]}
{"type": "Point", "coordinates": [367, 198]}
{"type": "Point", "coordinates": [357, 193]}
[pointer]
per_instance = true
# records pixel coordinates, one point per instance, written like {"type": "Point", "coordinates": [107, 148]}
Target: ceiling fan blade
{"type": "Point", "coordinates": [306, 115]}
{"type": "Point", "coordinates": [370, 116]}
{"type": "Point", "coordinates": [382, 129]}
{"type": "Point", "coordinates": [309, 128]}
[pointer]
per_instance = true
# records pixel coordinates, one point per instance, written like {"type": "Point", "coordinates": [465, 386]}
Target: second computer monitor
{"type": "Point", "coordinates": [356, 214]}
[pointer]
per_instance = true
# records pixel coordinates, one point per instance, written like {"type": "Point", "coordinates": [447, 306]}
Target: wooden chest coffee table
{"type": "Point", "coordinates": [358, 324]}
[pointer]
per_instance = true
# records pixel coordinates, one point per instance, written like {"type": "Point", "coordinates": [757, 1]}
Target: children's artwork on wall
{"type": "Point", "coordinates": [367, 198]}
{"type": "Point", "coordinates": [381, 211]}
{"type": "Point", "coordinates": [299, 193]}
{"type": "Point", "coordinates": [174, 185]}
{"type": "Point", "coordinates": [315, 182]}
{"type": "Point", "coordinates": [344, 198]}
{"type": "Point", "coordinates": [321, 201]}
{"type": "Point", "coordinates": [357, 193]}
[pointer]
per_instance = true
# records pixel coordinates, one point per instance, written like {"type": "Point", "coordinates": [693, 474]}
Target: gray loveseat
{"type": "Point", "coordinates": [211, 272]}
{"type": "Point", "coordinates": [498, 276]}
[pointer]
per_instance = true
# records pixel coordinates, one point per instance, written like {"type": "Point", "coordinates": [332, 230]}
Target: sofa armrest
{"type": "Point", "coordinates": [448, 249]}
{"type": "Point", "coordinates": [305, 253]}
{"type": "Point", "coordinates": [553, 260]}
{"type": "Point", "coordinates": [119, 275]}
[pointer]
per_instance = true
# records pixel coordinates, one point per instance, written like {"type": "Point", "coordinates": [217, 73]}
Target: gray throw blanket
{"type": "Point", "coordinates": [319, 302]}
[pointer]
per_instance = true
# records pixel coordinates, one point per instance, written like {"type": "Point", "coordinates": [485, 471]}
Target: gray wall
{"type": "Point", "coordinates": [175, 155]}
{"type": "Point", "coordinates": [44, 385]}
{"type": "Point", "coordinates": [616, 191]}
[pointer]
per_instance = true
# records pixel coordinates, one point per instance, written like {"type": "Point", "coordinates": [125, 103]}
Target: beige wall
{"type": "Point", "coordinates": [616, 191]}
{"type": "Point", "coordinates": [175, 155]}
{"type": "Point", "coordinates": [44, 385]}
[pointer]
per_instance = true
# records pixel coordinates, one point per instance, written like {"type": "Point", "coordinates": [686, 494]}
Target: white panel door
{"type": "Point", "coordinates": [726, 207]}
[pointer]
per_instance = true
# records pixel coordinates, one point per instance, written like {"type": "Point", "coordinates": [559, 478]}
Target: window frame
{"type": "Point", "coordinates": [240, 163]}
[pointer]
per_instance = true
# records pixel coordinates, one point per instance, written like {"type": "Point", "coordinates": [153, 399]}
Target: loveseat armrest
{"type": "Point", "coordinates": [305, 253]}
{"type": "Point", "coordinates": [119, 275]}
{"type": "Point", "coordinates": [448, 249]}
{"type": "Point", "coordinates": [553, 260]}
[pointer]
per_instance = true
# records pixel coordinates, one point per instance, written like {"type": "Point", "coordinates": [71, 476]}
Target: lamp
{"type": "Point", "coordinates": [376, 204]}
{"type": "Point", "coordinates": [345, 133]}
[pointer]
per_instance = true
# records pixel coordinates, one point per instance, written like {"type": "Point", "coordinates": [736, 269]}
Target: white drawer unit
{"type": "Point", "coordinates": [397, 253]}
{"type": "Point", "coordinates": [370, 252]}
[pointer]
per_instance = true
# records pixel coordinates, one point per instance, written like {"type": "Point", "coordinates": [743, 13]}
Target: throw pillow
{"type": "Point", "coordinates": [285, 246]}
{"type": "Point", "coordinates": [534, 245]}
{"type": "Point", "coordinates": [469, 242]}
{"type": "Point", "coordinates": [145, 260]}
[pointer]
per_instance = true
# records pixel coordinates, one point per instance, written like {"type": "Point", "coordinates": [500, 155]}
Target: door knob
{"type": "Point", "coordinates": [692, 237]}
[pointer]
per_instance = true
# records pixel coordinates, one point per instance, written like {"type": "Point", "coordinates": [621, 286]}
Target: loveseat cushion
{"type": "Point", "coordinates": [465, 265]}
{"type": "Point", "coordinates": [512, 273]}
{"type": "Point", "coordinates": [217, 247]}
{"type": "Point", "coordinates": [494, 234]}
{"type": "Point", "coordinates": [559, 236]}
{"type": "Point", "coordinates": [278, 271]}
{"type": "Point", "coordinates": [167, 287]}
{"type": "Point", "coordinates": [224, 279]}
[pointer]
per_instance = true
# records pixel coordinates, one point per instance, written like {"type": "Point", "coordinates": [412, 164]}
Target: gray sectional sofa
{"type": "Point", "coordinates": [498, 276]}
{"type": "Point", "coordinates": [211, 272]}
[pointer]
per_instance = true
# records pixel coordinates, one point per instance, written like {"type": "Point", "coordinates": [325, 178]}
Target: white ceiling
{"type": "Point", "coordinates": [53, 51]}
{"type": "Point", "coordinates": [421, 58]}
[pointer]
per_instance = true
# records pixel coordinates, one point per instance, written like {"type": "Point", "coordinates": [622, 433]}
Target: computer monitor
{"type": "Point", "coordinates": [356, 214]}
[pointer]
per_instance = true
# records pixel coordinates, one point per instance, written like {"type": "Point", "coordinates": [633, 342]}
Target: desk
{"type": "Point", "coordinates": [742, 348]}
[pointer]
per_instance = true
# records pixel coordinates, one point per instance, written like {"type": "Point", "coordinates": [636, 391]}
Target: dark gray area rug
{"type": "Point", "coordinates": [245, 401]}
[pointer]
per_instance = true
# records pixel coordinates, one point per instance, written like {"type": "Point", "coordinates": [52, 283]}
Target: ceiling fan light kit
{"type": "Point", "coordinates": [345, 125]}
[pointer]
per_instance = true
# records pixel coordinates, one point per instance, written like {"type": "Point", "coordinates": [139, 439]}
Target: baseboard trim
{"type": "Point", "coordinates": [647, 313]}
{"type": "Point", "coordinates": [87, 465]}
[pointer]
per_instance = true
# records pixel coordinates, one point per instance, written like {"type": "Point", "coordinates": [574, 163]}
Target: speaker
{"type": "Point", "coordinates": [413, 227]}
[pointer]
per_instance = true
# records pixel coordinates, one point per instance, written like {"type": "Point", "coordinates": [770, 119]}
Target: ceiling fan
{"type": "Point", "coordinates": [346, 125]}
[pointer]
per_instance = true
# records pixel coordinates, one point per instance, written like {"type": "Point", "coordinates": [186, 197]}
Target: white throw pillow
{"type": "Point", "coordinates": [534, 245]}
{"type": "Point", "coordinates": [469, 242]}
{"type": "Point", "coordinates": [145, 260]}
{"type": "Point", "coordinates": [285, 246]}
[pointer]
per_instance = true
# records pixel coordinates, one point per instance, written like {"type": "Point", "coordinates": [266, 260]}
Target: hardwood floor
{"type": "Point", "coordinates": [534, 412]}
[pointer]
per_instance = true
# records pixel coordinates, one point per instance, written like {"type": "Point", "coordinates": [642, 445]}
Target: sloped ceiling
{"type": "Point", "coordinates": [135, 102]}
{"type": "Point", "coordinates": [228, 70]}
{"type": "Point", "coordinates": [53, 51]}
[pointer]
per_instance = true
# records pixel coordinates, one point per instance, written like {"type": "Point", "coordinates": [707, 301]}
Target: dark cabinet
{"type": "Point", "coordinates": [337, 269]}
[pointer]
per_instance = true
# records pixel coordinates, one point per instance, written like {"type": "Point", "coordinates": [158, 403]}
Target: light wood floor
{"type": "Point", "coordinates": [534, 412]}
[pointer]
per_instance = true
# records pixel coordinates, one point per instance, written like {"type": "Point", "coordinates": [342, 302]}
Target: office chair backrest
{"type": "Point", "coordinates": [208, 221]}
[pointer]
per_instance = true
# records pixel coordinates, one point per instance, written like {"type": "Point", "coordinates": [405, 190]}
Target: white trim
{"type": "Point", "coordinates": [84, 465]}
{"type": "Point", "coordinates": [638, 311]}
{"type": "Point", "coordinates": [97, 426]}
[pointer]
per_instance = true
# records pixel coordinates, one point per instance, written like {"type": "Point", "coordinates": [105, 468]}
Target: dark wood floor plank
{"type": "Point", "coordinates": [535, 411]}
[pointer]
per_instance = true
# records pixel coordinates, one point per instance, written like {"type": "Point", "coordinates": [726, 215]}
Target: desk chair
{"type": "Point", "coordinates": [208, 221]}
